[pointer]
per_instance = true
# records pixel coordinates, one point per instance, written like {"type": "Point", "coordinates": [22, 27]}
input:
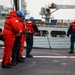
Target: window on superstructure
{"type": "Point", "coordinates": [42, 33]}
{"type": "Point", "coordinates": [4, 15]}
{"type": "Point", "coordinates": [58, 34]}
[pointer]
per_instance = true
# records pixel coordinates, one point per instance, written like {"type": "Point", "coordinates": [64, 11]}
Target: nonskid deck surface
{"type": "Point", "coordinates": [44, 62]}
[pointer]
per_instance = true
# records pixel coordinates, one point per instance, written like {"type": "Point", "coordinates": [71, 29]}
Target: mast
{"type": "Point", "coordinates": [20, 5]}
{"type": "Point", "coordinates": [16, 4]}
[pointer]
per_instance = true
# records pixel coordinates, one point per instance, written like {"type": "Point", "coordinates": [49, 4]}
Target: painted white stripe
{"type": "Point", "coordinates": [49, 57]}
{"type": "Point", "coordinates": [53, 56]}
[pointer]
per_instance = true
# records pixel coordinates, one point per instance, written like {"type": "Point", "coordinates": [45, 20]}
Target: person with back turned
{"type": "Point", "coordinates": [31, 29]}
{"type": "Point", "coordinates": [71, 31]}
{"type": "Point", "coordinates": [11, 29]}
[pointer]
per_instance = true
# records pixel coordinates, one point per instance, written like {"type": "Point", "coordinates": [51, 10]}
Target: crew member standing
{"type": "Point", "coordinates": [16, 46]}
{"type": "Point", "coordinates": [71, 31]}
{"type": "Point", "coordinates": [10, 30]}
{"type": "Point", "coordinates": [31, 29]}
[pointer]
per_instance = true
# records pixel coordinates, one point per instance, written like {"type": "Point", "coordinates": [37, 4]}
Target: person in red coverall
{"type": "Point", "coordinates": [11, 29]}
{"type": "Point", "coordinates": [23, 39]}
{"type": "Point", "coordinates": [31, 29]}
{"type": "Point", "coordinates": [17, 43]}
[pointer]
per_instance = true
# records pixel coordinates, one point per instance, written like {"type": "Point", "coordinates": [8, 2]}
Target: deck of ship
{"type": "Point", "coordinates": [44, 62]}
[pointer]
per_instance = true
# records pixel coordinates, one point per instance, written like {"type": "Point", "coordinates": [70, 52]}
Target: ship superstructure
{"type": "Point", "coordinates": [46, 12]}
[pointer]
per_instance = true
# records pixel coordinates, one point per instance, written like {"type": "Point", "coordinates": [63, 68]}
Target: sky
{"type": "Point", "coordinates": [34, 7]}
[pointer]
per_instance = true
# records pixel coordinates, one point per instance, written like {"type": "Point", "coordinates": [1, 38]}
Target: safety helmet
{"type": "Point", "coordinates": [31, 18]}
{"type": "Point", "coordinates": [20, 13]}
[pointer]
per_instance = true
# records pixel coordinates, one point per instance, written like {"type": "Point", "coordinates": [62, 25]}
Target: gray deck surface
{"type": "Point", "coordinates": [44, 62]}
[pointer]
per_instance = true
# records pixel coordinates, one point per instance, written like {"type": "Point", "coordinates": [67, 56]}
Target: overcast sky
{"type": "Point", "coordinates": [34, 7]}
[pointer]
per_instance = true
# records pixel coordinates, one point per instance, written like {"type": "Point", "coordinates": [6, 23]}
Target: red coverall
{"type": "Point", "coordinates": [11, 28]}
{"type": "Point", "coordinates": [23, 39]}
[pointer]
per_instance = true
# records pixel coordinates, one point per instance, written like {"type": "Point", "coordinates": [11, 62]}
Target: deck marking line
{"type": "Point", "coordinates": [56, 54]}
{"type": "Point", "coordinates": [70, 57]}
{"type": "Point", "coordinates": [61, 56]}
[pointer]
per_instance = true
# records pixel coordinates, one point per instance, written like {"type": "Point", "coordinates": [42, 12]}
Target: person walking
{"type": "Point", "coordinates": [71, 31]}
{"type": "Point", "coordinates": [31, 29]}
{"type": "Point", "coordinates": [11, 29]}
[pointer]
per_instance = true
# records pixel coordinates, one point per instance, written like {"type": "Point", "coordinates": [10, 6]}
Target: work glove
{"type": "Point", "coordinates": [1, 38]}
{"type": "Point", "coordinates": [67, 35]}
{"type": "Point", "coordinates": [35, 27]}
{"type": "Point", "coordinates": [19, 34]}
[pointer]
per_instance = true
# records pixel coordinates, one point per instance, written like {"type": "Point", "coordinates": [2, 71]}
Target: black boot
{"type": "Point", "coordinates": [29, 56]}
{"type": "Point", "coordinates": [14, 62]}
{"type": "Point", "coordinates": [20, 60]}
{"type": "Point", "coordinates": [6, 66]}
{"type": "Point", "coordinates": [71, 52]}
